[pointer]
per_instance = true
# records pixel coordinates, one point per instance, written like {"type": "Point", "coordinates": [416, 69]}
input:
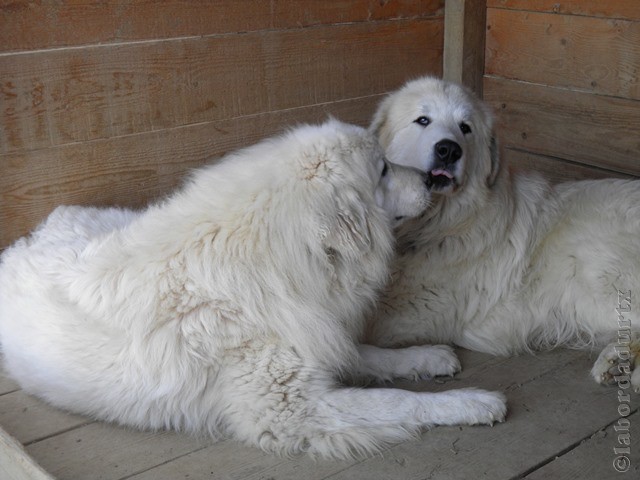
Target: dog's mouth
{"type": "Point", "coordinates": [441, 180]}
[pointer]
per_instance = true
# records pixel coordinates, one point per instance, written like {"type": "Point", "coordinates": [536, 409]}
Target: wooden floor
{"type": "Point", "coordinates": [560, 426]}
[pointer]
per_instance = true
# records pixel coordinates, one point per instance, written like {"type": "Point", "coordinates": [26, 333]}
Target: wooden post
{"type": "Point", "coordinates": [464, 41]}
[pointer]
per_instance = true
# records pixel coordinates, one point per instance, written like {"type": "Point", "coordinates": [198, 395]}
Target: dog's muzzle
{"type": "Point", "coordinates": [442, 176]}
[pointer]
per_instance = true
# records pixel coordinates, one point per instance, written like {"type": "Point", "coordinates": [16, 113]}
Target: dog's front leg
{"type": "Point", "coordinates": [377, 408]}
{"type": "Point", "coordinates": [419, 362]}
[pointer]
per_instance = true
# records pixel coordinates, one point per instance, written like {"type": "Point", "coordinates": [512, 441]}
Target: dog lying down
{"type": "Point", "coordinates": [503, 263]}
{"type": "Point", "coordinates": [235, 306]}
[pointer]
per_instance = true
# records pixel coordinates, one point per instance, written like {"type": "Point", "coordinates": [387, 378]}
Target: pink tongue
{"type": "Point", "coordinates": [438, 172]}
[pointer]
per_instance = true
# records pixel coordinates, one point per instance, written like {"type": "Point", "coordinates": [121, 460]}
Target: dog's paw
{"type": "Point", "coordinates": [618, 363]}
{"type": "Point", "coordinates": [426, 361]}
{"type": "Point", "coordinates": [484, 407]}
{"type": "Point", "coordinates": [469, 406]}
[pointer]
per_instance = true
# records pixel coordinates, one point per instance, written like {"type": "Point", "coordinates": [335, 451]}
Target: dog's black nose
{"type": "Point", "coordinates": [448, 151]}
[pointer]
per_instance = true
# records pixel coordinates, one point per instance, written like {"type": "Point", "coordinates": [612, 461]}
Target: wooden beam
{"type": "Point", "coordinates": [464, 40]}
{"type": "Point", "coordinates": [15, 463]}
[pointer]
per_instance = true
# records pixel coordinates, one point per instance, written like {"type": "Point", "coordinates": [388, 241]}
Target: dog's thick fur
{"type": "Point", "coordinates": [235, 305]}
{"type": "Point", "coordinates": [505, 262]}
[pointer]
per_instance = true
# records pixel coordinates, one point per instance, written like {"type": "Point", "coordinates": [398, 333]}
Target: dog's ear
{"type": "Point", "coordinates": [378, 120]}
{"type": "Point", "coordinates": [379, 126]}
{"type": "Point", "coordinates": [496, 164]}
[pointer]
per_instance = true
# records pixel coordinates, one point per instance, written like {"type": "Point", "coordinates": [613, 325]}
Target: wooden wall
{"type": "Point", "coordinates": [564, 80]}
{"type": "Point", "coordinates": [111, 102]}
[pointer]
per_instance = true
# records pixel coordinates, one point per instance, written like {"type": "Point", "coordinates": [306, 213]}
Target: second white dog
{"type": "Point", "coordinates": [505, 262]}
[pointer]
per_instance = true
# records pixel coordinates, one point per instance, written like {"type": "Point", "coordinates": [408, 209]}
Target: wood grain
{"type": "Point", "coordinates": [590, 54]}
{"type": "Point", "coordinates": [65, 96]}
{"type": "Point", "coordinates": [581, 127]}
{"type": "Point", "coordinates": [108, 452]}
{"type": "Point", "coordinates": [586, 460]}
{"type": "Point", "coordinates": [626, 9]}
{"type": "Point", "coordinates": [132, 170]}
{"type": "Point", "coordinates": [27, 25]}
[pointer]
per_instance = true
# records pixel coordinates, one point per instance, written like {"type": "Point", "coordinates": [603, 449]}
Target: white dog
{"type": "Point", "coordinates": [502, 262]}
{"type": "Point", "coordinates": [234, 306]}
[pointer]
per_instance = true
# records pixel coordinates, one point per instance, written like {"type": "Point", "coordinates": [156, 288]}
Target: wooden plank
{"type": "Point", "coordinates": [15, 463]}
{"type": "Point", "coordinates": [74, 95]}
{"type": "Point", "coordinates": [304, 13]}
{"type": "Point", "coordinates": [101, 451]}
{"type": "Point", "coordinates": [29, 419]}
{"type": "Point", "coordinates": [626, 9]}
{"type": "Point", "coordinates": [594, 458]}
{"type": "Point", "coordinates": [132, 170]}
{"type": "Point", "coordinates": [556, 170]}
{"type": "Point", "coordinates": [27, 26]}
{"type": "Point", "coordinates": [584, 128]}
{"type": "Point", "coordinates": [590, 54]}
{"type": "Point", "coordinates": [464, 37]}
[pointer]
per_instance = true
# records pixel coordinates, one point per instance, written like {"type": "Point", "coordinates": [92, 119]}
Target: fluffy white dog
{"type": "Point", "coordinates": [502, 262]}
{"type": "Point", "coordinates": [234, 306]}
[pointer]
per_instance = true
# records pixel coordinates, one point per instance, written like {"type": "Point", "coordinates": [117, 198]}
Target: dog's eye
{"type": "Point", "coordinates": [385, 169]}
{"type": "Point", "coordinates": [424, 121]}
{"type": "Point", "coordinates": [465, 128]}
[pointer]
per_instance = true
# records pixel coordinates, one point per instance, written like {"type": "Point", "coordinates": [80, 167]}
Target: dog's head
{"type": "Point", "coordinates": [347, 163]}
{"type": "Point", "coordinates": [440, 128]}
